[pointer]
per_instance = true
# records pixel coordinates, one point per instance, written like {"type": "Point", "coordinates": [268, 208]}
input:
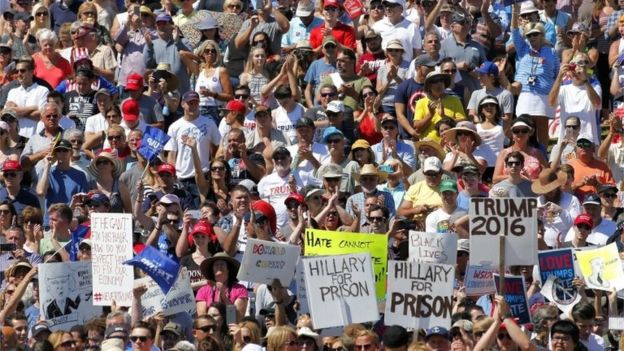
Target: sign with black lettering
{"type": "Point", "coordinates": [433, 247]}
{"type": "Point", "coordinates": [179, 299]}
{"type": "Point", "coordinates": [420, 294]}
{"type": "Point", "coordinates": [340, 289]}
{"type": "Point", "coordinates": [515, 295]}
{"type": "Point", "coordinates": [264, 261]}
{"type": "Point", "coordinates": [516, 219]}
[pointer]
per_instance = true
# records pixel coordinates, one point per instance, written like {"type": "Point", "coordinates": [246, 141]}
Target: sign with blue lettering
{"type": "Point", "coordinates": [153, 142]}
{"type": "Point", "coordinates": [179, 299]}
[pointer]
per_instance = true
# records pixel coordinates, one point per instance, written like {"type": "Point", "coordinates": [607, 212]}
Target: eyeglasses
{"type": "Point", "coordinates": [327, 95]}
{"type": "Point", "coordinates": [135, 338]}
{"type": "Point", "coordinates": [610, 195]}
{"type": "Point", "coordinates": [102, 162]}
{"type": "Point", "coordinates": [68, 343]}
{"type": "Point", "coordinates": [376, 219]}
{"type": "Point", "coordinates": [583, 227]}
{"type": "Point", "coordinates": [502, 336]}
{"type": "Point", "coordinates": [534, 34]}
{"type": "Point", "coordinates": [573, 126]}
{"type": "Point", "coordinates": [5, 212]}
{"type": "Point", "coordinates": [208, 328]}
{"type": "Point", "coordinates": [520, 131]}
{"type": "Point", "coordinates": [41, 14]}
{"type": "Point", "coordinates": [331, 9]}
{"type": "Point", "coordinates": [514, 163]}
{"type": "Point", "coordinates": [561, 338]}
{"type": "Point", "coordinates": [333, 141]}
{"type": "Point", "coordinates": [217, 168]}
{"type": "Point", "coordinates": [431, 174]}
{"type": "Point", "coordinates": [10, 174]}
{"type": "Point", "coordinates": [364, 347]}
{"type": "Point", "coordinates": [241, 96]}
{"type": "Point", "coordinates": [114, 137]}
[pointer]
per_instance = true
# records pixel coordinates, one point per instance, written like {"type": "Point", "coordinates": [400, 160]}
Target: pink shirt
{"type": "Point", "coordinates": [208, 295]}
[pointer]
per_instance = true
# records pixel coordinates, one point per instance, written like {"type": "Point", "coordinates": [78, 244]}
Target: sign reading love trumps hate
{"type": "Point", "coordinates": [420, 294]}
{"type": "Point", "coordinates": [433, 247]}
{"type": "Point", "coordinates": [111, 234]}
{"type": "Point", "coordinates": [342, 284]}
{"type": "Point", "coordinates": [325, 242]}
{"type": "Point", "coordinates": [515, 219]}
{"type": "Point", "coordinates": [515, 295]}
{"type": "Point", "coordinates": [264, 261]}
{"type": "Point", "coordinates": [558, 265]}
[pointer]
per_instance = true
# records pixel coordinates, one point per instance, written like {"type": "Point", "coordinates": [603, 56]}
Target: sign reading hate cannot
{"type": "Point", "coordinates": [111, 234]}
{"type": "Point", "coordinates": [433, 247]}
{"type": "Point", "coordinates": [264, 261]}
{"type": "Point", "coordinates": [325, 242]}
{"type": "Point", "coordinates": [342, 284]}
{"type": "Point", "coordinates": [66, 298]}
{"type": "Point", "coordinates": [515, 218]}
{"type": "Point", "coordinates": [420, 294]}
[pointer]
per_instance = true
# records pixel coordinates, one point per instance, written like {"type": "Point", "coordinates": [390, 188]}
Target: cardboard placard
{"type": "Point", "coordinates": [557, 273]}
{"type": "Point", "coordinates": [601, 268]}
{"type": "Point", "coordinates": [479, 280]}
{"type": "Point", "coordinates": [515, 295]}
{"type": "Point", "coordinates": [433, 247]}
{"type": "Point", "coordinates": [264, 261]}
{"type": "Point", "coordinates": [179, 299]}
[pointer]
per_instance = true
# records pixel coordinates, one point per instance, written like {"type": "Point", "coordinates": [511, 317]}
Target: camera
{"type": "Point", "coordinates": [531, 80]}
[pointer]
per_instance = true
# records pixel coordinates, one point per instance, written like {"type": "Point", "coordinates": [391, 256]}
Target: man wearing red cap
{"type": "Point", "coordinates": [344, 34]}
{"type": "Point", "coordinates": [583, 225]}
{"type": "Point", "coordinates": [207, 138]}
{"type": "Point", "coordinates": [150, 109]}
{"type": "Point", "coordinates": [167, 175]}
{"type": "Point", "coordinates": [131, 116]}
{"type": "Point", "coordinates": [12, 190]}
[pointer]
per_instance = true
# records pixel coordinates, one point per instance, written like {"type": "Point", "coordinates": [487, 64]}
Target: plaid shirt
{"type": "Point", "coordinates": [612, 21]}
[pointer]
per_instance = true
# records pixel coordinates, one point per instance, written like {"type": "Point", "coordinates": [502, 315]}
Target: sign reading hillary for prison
{"type": "Point", "coordinates": [420, 294]}
{"type": "Point", "coordinates": [515, 219]}
{"type": "Point", "coordinates": [340, 289]}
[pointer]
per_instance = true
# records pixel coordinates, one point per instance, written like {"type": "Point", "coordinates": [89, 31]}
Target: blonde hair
{"type": "Point", "coordinates": [117, 128]}
{"type": "Point", "coordinates": [56, 338]}
{"type": "Point", "coordinates": [227, 3]}
{"type": "Point", "coordinates": [213, 44]}
{"type": "Point", "coordinates": [278, 336]}
{"type": "Point", "coordinates": [86, 6]}
{"type": "Point", "coordinates": [250, 62]}
{"type": "Point", "coordinates": [34, 28]}
{"type": "Point", "coordinates": [254, 333]}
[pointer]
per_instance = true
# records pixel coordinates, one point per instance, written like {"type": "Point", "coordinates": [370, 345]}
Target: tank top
{"type": "Point", "coordinates": [211, 83]}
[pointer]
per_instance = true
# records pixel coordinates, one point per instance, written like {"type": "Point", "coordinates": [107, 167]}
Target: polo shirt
{"type": "Point", "coordinates": [21, 200]}
{"type": "Point", "coordinates": [471, 52]}
{"type": "Point", "coordinates": [299, 31]}
{"type": "Point", "coordinates": [34, 95]}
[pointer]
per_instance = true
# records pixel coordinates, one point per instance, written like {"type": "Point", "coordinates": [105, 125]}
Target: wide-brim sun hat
{"type": "Point", "coordinates": [206, 265]}
{"type": "Point", "coordinates": [434, 75]}
{"type": "Point", "coordinates": [117, 165]}
{"type": "Point", "coordinates": [465, 126]}
{"type": "Point", "coordinates": [441, 154]}
{"type": "Point", "coordinates": [549, 180]}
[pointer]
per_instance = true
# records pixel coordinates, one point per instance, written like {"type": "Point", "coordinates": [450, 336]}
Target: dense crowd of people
{"type": "Point", "coordinates": [364, 116]}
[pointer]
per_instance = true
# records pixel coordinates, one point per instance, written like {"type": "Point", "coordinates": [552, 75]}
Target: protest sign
{"type": "Point", "coordinates": [65, 294]}
{"type": "Point", "coordinates": [111, 234]}
{"type": "Point", "coordinates": [354, 8]}
{"type": "Point", "coordinates": [264, 261]}
{"type": "Point", "coordinates": [479, 280]}
{"type": "Point", "coordinates": [515, 218]}
{"type": "Point", "coordinates": [158, 266]}
{"type": "Point", "coordinates": [558, 264]}
{"type": "Point", "coordinates": [179, 299]}
{"type": "Point", "coordinates": [601, 268]}
{"type": "Point", "coordinates": [515, 295]}
{"type": "Point", "coordinates": [616, 323]}
{"type": "Point", "coordinates": [341, 289]}
{"type": "Point", "coordinates": [433, 247]}
{"type": "Point", "coordinates": [420, 294]}
{"type": "Point", "coordinates": [325, 242]}
{"type": "Point", "coordinates": [302, 294]}
{"type": "Point", "coordinates": [153, 142]}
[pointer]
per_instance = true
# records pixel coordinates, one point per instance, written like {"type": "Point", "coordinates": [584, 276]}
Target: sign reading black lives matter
{"type": "Point", "coordinates": [516, 219]}
{"type": "Point", "coordinates": [340, 289]}
{"type": "Point", "coordinates": [420, 294]}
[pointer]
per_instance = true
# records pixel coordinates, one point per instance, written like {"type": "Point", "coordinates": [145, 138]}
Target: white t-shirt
{"type": "Point", "coordinates": [574, 101]}
{"type": "Point", "coordinates": [615, 159]}
{"type": "Point", "coordinates": [205, 132]}
{"type": "Point", "coordinates": [492, 143]}
{"type": "Point", "coordinates": [96, 124]}
{"type": "Point", "coordinates": [405, 31]}
{"type": "Point", "coordinates": [274, 189]}
{"type": "Point", "coordinates": [65, 123]}
{"type": "Point", "coordinates": [306, 170]}
{"type": "Point", "coordinates": [285, 121]}
{"type": "Point", "coordinates": [34, 95]}
{"type": "Point", "coordinates": [437, 221]}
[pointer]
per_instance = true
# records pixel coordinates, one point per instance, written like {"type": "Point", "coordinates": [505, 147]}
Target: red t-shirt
{"type": "Point", "coordinates": [55, 74]}
{"type": "Point", "coordinates": [367, 130]}
{"type": "Point", "coordinates": [343, 34]}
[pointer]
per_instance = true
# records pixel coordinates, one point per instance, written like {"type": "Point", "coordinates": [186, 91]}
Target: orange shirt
{"type": "Point", "coordinates": [594, 168]}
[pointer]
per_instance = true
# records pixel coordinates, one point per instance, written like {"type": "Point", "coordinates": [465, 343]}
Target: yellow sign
{"type": "Point", "coordinates": [325, 242]}
{"type": "Point", "coordinates": [601, 268]}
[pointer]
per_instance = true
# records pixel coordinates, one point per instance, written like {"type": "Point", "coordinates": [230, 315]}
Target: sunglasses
{"type": "Point", "coordinates": [328, 94]}
{"type": "Point", "coordinates": [5, 212]}
{"type": "Point", "coordinates": [378, 7]}
{"type": "Point", "coordinates": [330, 46]}
{"type": "Point", "coordinates": [431, 174]}
{"type": "Point", "coordinates": [333, 141]}
{"type": "Point", "coordinates": [514, 163]}
{"type": "Point", "coordinates": [68, 343]}
{"type": "Point", "coordinates": [520, 131]}
{"type": "Point", "coordinates": [114, 137]}
{"type": "Point", "coordinates": [210, 51]}
{"type": "Point", "coordinates": [463, 133]}
{"type": "Point", "coordinates": [290, 343]}
{"type": "Point", "coordinates": [583, 227]}
{"type": "Point", "coordinates": [102, 162]}
{"type": "Point", "coordinates": [388, 127]}
{"type": "Point", "coordinates": [573, 126]}
{"type": "Point", "coordinates": [241, 96]}
{"type": "Point", "coordinates": [256, 42]}
{"type": "Point", "coordinates": [235, 7]}
{"type": "Point", "coordinates": [135, 338]}
{"type": "Point", "coordinates": [450, 71]}
{"type": "Point", "coordinates": [10, 174]}
{"type": "Point", "coordinates": [376, 219]}
{"type": "Point", "coordinates": [292, 205]}
{"type": "Point", "coordinates": [331, 9]}
{"type": "Point", "coordinates": [62, 149]}
{"type": "Point", "coordinates": [369, 94]}
{"type": "Point", "coordinates": [21, 70]}
{"type": "Point", "coordinates": [217, 168]}
{"type": "Point", "coordinates": [531, 35]}
{"type": "Point", "coordinates": [394, 50]}
{"type": "Point", "coordinates": [585, 145]}
{"type": "Point", "coordinates": [610, 195]}
{"type": "Point", "coordinates": [41, 14]}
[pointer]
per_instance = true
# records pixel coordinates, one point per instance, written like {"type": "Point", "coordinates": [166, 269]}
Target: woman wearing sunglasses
{"type": "Point", "coordinates": [62, 341]}
{"type": "Point", "coordinates": [608, 195]}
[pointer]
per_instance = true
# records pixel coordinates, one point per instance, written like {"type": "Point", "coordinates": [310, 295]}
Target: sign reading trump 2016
{"type": "Point", "coordinates": [341, 290]}
{"type": "Point", "coordinates": [264, 261]}
{"type": "Point", "coordinates": [420, 294]}
{"type": "Point", "coordinates": [325, 242]}
{"type": "Point", "coordinates": [516, 219]}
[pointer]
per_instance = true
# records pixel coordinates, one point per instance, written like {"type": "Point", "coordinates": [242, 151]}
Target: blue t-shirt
{"type": "Point", "coordinates": [24, 198]}
{"type": "Point", "coordinates": [318, 70]}
{"type": "Point", "coordinates": [408, 93]}
{"type": "Point", "coordinates": [62, 185]}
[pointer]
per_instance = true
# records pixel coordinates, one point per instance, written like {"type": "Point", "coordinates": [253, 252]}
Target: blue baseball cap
{"type": "Point", "coordinates": [437, 331]}
{"type": "Point", "coordinates": [488, 67]}
{"type": "Point", "coordinates": [164, 17]}
{"type": "Point", "coordinates": [329, 131]}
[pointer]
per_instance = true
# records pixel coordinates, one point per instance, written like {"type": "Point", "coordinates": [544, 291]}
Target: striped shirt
{"type": "Point", "coordinates": [543, 65]}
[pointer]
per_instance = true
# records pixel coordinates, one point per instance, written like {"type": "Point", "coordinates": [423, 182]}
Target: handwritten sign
{"type": "Point", "coordinates": [558, 264]}
{"type": "Point", "coordinates": [420, 294]}
{"type": "Point", "coordinates": [433, 247]}
{"type": "Point", "coordinates": [515, 218]}
{"type": "Point", "coordinates": [479, 280]}
{"type": "Point", "coordinates": [341, 290]}
{"type": "Point", "coordinates": [302, 293]}
{"type": "Point", "coordinates": [325, 242]}
{"type": "Point", "coordinates": [179, 299]}
{"type": "Point", "coordinates": [66, 294]}
{"type": "Point", "coordinates": [601, 267]}
{"type": "Point", "coordinates": [515, 295]}
{"type": "Point", "coordinates": [264, 261]}
{"type": "Point", "coordinates": [111, 234]}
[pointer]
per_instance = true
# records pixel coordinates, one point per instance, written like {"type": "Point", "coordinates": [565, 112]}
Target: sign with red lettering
{"type": "Point", "coordinates": [515, 219]}
{"type": "Point", "coordinates": [558, 264]}
{"type": "Point", "coordinates": [264, 261]}
{"type": "Point", "coordinates": [420, 294]}
{"type": "Point", "coordinates": [515, 295]}
{"type": "Point", "coordinates": [479, 280]}
{"type": "Point", "coordinates": [340, 289]}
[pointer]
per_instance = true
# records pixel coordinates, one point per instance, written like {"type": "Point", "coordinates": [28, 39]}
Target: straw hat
{"type": "Point", "coordinates": [432, 144]}
{"type": "Point", "coordinates": [370, 169]}
{"type": "Point", "coordinates": [465, 126]}
{"type": "Point", "coordinates": [549, 180]}
{"type": "Point", "coordinates": [117, 165]}
{"type": "Point", "coordinates": [437, 74]}
{"type": "Point", "coordinates": [163, 70]}
{"type": "Point", "coordinates": [232, 264]}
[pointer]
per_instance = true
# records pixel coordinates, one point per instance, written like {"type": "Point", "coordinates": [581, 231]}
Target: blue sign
{"type": "Point", "coordinates": [515, 295]}
{"type": "Point", "coordinates": [153, 142]}
{"type": "Point", "coordinates": [159, 267]}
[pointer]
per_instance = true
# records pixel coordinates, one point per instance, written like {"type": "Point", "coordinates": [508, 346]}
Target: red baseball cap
{"type": "Point", "coordinates": [167, 168]}
{"type": "Point", "coordinates": [294, 197]}
{"type": "Point", "coordinates": [11, 165]}
{"type": "Point", "coordinates": [584, 218]}
{"type": "Point", "coordinates": [268, 211]}
{"type": "Point", "coordinates": [130, 110]}
{"type": "Point", "coordinates": [134, 82]}
{"type": "Point", "coordinates": [331, 3]}
{"type": "Point", "coordinates": [236, 106]}
{"type": "Point", "coordinates": [203, 227]}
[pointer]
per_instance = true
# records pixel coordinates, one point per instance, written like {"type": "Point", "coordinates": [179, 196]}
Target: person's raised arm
{"type": "Point", "coordinates": [553, 96]}
{"type": "Point", "coordinates": [137, 209]}
{"type": "Point", "coordinates": [517, 335]}
{"type": "Point", "coordinates": [42, 184]}
{"type": "Point", "coordinates": [615, 125]}
{"type": "Point", "coordinates": [242, 39]}
{"type": "Point", "coordinates": [12, 303]}
{"type": "Point", "coordinates": [136, 314]}
{"type": "Point", "coordinates": [182, 244]}
{"type": "Point", "coordinates": [433, 16]}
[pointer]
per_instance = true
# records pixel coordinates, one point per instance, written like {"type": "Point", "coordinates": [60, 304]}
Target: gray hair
{"type": "Point", "coordinates": [126, 317]}
{"type": "Point", "coordinates": [72, 132]}
{"type": "Point", "coordinates": [185, 346]}
{"type": "Point", "coordinates": [46, 34]}
{"type": "Point", "coordinates": [50, 104]}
